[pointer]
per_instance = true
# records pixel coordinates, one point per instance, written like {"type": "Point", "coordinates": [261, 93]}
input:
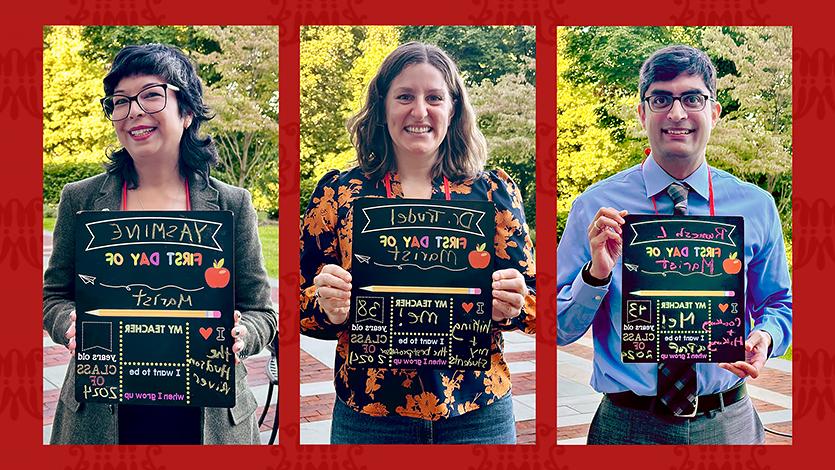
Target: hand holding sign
{"type": "Point", "coordinates": [605, 241]}
{"type": "Point", "coordinates": [239, 332]}
{"type": "Point", "coordinates": [70, 334]}
{"type": "Point", "coordinates": [509, 291]}
{"type": "Point", "coordinates": [756, 353]}
{"type": "Point", "coordinates": [333, 288]}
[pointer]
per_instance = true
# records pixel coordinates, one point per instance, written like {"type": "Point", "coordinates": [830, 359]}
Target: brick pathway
{"type": "Point", "coordinates": [56, 358]}
{"type": "Point", "coordinates": [317, 392]}
{"type": "Point", "coordinates": [577, 401]}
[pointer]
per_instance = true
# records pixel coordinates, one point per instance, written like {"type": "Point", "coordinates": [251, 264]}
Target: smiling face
{"type": "Point", "coordinates": [678, 138]}
{"type": "Point", "coordinates": [419, 109]}
{"type": "Point", "coordinates": [150, 136]}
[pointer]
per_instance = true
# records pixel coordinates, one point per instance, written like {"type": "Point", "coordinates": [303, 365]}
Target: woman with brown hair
{"type": "Point", "coordinates": [416, 137]}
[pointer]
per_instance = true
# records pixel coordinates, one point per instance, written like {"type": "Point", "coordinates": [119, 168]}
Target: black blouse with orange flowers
{"type": "Point", "coordinates": [428, 394]}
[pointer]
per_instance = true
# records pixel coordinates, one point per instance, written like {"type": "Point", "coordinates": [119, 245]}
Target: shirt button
{"type": "Point", "coordinates": [596, 297]}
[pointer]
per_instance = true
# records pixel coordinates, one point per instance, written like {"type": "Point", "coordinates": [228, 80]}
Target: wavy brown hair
{"type": "Point", "coordinates": [462, 153]}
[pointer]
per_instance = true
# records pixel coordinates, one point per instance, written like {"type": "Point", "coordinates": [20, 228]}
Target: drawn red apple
{"type": "Point", "coordinates": [732, 265]}
{"type": "Point", "coordinates": [479, 258]}
{"type": "Point", "coordinates": [217, 276]}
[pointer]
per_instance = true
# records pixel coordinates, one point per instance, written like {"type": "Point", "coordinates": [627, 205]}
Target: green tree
{"type": "Point", "coordinates": [244, 98]}
{"type": "Point", "coordinates": [104, 42]}
{"type": "Point", "coordinates": [507, 117]}
{"type": "Point", "coordinates": [753, 140]}
{"type": "Point", "coordinates": [336, 63]}
{"type": "Point", "coordinates": [587, 148]}
{"type": "Point", "coordinates": [482, 52]}
{"type": "Point", "coordinates": [378, 42]}
{"type": "Point", "coordinates": [327, 54]}
{"type": "Point", "coordinates": [75, 130]}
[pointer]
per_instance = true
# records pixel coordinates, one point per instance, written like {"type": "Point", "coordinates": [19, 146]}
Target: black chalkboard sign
{"type": "Point", "coordinates": [155, 303]}
{"type": "Point", "coordinates": [683, 289]}
{"type": "Point", "coordinates": [421, 275]}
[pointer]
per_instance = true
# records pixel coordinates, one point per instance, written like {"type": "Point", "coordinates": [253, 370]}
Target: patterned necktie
{"type": "Point", "coordinates": [677, 380]}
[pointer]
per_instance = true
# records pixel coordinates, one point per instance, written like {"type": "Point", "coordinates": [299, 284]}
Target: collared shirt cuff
{"type": "Point", "coordinates": [587, 295]}
{"type": "Point", "coordinates": [776, 348]}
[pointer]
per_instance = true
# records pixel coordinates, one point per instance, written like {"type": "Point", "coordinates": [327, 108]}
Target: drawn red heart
{"type": "Point", "coordinates": [467, 306]}
{"type": "Point", "coordinates": [206, 332]}
{"type": "Point", "coordinates": [723, 307]}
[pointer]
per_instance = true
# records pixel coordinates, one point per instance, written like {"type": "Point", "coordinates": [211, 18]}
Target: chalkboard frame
{"type": "Point", "coordinates": [451, 286]}
{"type": "Point", "coordinates": [154, 293]}
{"type": "Point", "coordinates": [683, 296]}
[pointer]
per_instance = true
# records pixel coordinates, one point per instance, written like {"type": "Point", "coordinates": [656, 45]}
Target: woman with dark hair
{"type": "Point", "coordinates": [416, 137]}
{"type": "Point", "coordinates": [155, 100]}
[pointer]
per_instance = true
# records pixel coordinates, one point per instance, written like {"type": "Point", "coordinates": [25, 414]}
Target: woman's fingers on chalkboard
{"type": "Point", "coordinates": [333, 288]}
{"type": "Point", "coordinates": [329, 293]}
{"type": "Point", "coordinates": [337, 315]}
{"type": "Point", "coordinates": [509, 280]}
{"type": "Point", "coordinates": [70, 334]}
{"type": "Point", "coordinates": [514, 300]}
{"type": "Point", "coordinates": [333, 282]}
{"type": "Point", "coordinates": [70, 331]}
{"type": "Point", "coordinates": [503, 310]}
{"type": "Point", "coordinates": [239, 332]}
{"type": "Point", "coordinates": [336, 271]}
{"type": "Point", "coordinates": [508, 294]}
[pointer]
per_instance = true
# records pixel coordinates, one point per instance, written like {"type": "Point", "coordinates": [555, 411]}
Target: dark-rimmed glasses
{"type": "Point", "coordinates": [690, 102]}
{"type": "Point", "coordinates": [151, 99]}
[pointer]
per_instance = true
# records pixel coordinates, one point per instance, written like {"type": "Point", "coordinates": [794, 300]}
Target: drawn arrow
{"type": "Point", "coordinates": [631, 267]}
{"type": "Point", "coordinates": [363, 258]}
{"type": "Point", "coordinates": [88, 279]}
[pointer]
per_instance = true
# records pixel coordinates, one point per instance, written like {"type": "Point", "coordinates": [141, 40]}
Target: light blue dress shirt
{"type": "Point", "coordinates": [768, 301]}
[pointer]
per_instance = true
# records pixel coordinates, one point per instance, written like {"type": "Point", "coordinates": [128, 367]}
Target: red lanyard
{"type": "Point", "coordinates": [125, 196]}
{"type": "Point", "coordinates": [709, 190]}
{"type": "Point", "coordinates": [387, 182]}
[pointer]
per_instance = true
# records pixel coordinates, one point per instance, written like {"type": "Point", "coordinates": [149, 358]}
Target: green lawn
{"type": "Point", "coordinates": [269, 247]}
{"type": "Point", "coordinates": [267, 232]}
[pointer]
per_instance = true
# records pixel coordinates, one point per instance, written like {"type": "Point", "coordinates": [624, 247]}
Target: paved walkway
{"type": "Point", "coordinates": [56, 358]}
{"type": "Point", "coordinates": [317, 392]}
{"type": "Point", "coordinates": [577, 401]}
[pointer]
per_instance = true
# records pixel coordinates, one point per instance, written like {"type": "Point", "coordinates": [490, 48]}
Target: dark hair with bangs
{"type": "Point", "coordinates": [668, 63]}
{"type": "Point", "coordinates": [197, 154]}
{"type": "Point", "coordinates": [463, 151]}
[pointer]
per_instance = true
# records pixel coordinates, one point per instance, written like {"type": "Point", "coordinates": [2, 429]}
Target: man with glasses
{"type": "Point", "coordinates": [672, 403]}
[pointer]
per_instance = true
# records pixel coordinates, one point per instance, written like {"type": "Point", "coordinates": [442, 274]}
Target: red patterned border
{"type": "Point", "coordinates": [20, 231]}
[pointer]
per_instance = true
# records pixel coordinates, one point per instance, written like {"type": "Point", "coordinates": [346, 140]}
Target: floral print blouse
{"type": "Point", "coordinates": [427, 394]}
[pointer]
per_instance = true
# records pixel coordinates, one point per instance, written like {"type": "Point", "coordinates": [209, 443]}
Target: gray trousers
{"type": "Point", "coordinates": [736, 424]}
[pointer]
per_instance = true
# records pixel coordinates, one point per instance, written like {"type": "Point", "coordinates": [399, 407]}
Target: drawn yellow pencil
{"type": "Point", "coordinates": [423, 289]}
{"type": "Point", "coordinates": [684, 293]}
{"type": "Point", "coordinates": [115, 312]}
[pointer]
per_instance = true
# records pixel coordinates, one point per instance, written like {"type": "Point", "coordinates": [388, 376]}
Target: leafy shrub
{"type": "Point", "coordinates": [56, 175]}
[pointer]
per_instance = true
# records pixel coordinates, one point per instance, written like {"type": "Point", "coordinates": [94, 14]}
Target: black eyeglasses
{"type": "Point", "coordinates": [151, 99]}
{"type": "Point", "coordinates": [691, 102]}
